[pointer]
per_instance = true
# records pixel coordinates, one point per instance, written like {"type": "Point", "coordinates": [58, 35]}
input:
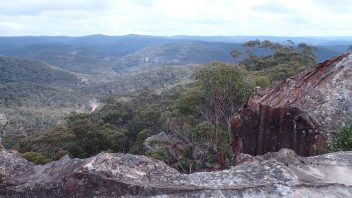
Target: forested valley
{"type": "Point", "coordinates": [177, 113]}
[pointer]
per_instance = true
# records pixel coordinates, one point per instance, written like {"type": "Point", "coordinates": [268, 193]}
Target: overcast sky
{"type": "Point", "coordinates": [176, 17]}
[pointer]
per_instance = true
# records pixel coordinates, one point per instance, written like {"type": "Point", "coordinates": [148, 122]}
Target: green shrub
{"type": "Point", "coordinates": [37, 158]}
{"type": "Point", "coordinates": [162, 154]}
{"type": "Point", "coordinates": [262, 81]}
{"type": "Point", "coordinates": [201, 133]}
{"type": "Point", "coordinates": [343, 139]}
{"type": "Point", "coordinates": [138, 147]}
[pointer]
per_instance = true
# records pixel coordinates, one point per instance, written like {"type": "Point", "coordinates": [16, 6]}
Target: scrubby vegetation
{"type": "Point", "coordinates": [343, 140]}
{"type": "Point", "coordinates": [192, 113]}
{"type": "Point", "coordinates": [197, 112]}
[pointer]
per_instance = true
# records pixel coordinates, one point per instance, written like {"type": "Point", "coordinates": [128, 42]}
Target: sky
{"type": "Point", "coordinates": [176, 17]}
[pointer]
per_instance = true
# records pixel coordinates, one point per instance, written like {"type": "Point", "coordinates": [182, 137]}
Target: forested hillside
{"type": "Point", "coordinates": [35, 96]}
{"type": "Point", "coordinates": [73, 58]}
{"type": "Point", "coordinates": [175, 113]}
{"type": "Point", "coordinates": [14, 70]}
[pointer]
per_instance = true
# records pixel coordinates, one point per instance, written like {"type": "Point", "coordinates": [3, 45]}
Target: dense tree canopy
{"type": "Point", "coordinates": [196, 112]}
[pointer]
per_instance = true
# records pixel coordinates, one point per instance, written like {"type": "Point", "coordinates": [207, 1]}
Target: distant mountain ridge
{"type": "Point", "coordinates": [105, 54]}
{"type": "Point", "coordinates": [178, 53]}
{"type": "Point", "coordinates": [105, 39]}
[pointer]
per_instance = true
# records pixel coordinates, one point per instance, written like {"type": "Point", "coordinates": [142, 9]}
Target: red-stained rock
{"type": "Point", "coordinates": [301, 113]}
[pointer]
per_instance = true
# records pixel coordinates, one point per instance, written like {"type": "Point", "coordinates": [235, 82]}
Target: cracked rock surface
{"type": "Point", "coordinates": [280, 174]}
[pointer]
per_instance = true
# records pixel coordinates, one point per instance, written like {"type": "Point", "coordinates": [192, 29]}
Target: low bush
{"type": "Point", "coordinates": [343, 139]}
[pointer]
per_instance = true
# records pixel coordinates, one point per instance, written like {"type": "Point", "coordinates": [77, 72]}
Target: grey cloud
{"type": "Point", "coordinates": [221, 17]}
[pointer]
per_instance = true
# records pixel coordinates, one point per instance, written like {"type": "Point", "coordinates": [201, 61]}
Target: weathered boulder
{"type": "Point", "coordinates": [281, 174]}
{"type": "Point", "coordinates": [301, 113]}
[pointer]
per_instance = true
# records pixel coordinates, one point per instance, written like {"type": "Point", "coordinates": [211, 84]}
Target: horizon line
{"type": "Point", "coordinates": [180, 35]}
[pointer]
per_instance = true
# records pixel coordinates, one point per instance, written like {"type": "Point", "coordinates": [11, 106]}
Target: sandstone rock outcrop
{"type": "Point", "coordinates": [281, 174]}
{"type": "Point", "coordinates": [301, 113]}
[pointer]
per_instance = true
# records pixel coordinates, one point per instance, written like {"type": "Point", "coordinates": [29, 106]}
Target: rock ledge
{"type": "Point", "coordinates": [281, 174]}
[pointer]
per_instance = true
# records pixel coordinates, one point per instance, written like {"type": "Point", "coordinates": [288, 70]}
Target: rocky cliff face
{"type": "Point", "coordinates": [281, 174]}
{"type": "Point", "coordinates": [300, 113]}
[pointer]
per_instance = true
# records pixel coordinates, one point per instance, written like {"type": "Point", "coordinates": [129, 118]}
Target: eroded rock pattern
{"type": "Point", "coordinates": [301, 113]}
{"type": "Point", "coordinates": [281, 174]}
